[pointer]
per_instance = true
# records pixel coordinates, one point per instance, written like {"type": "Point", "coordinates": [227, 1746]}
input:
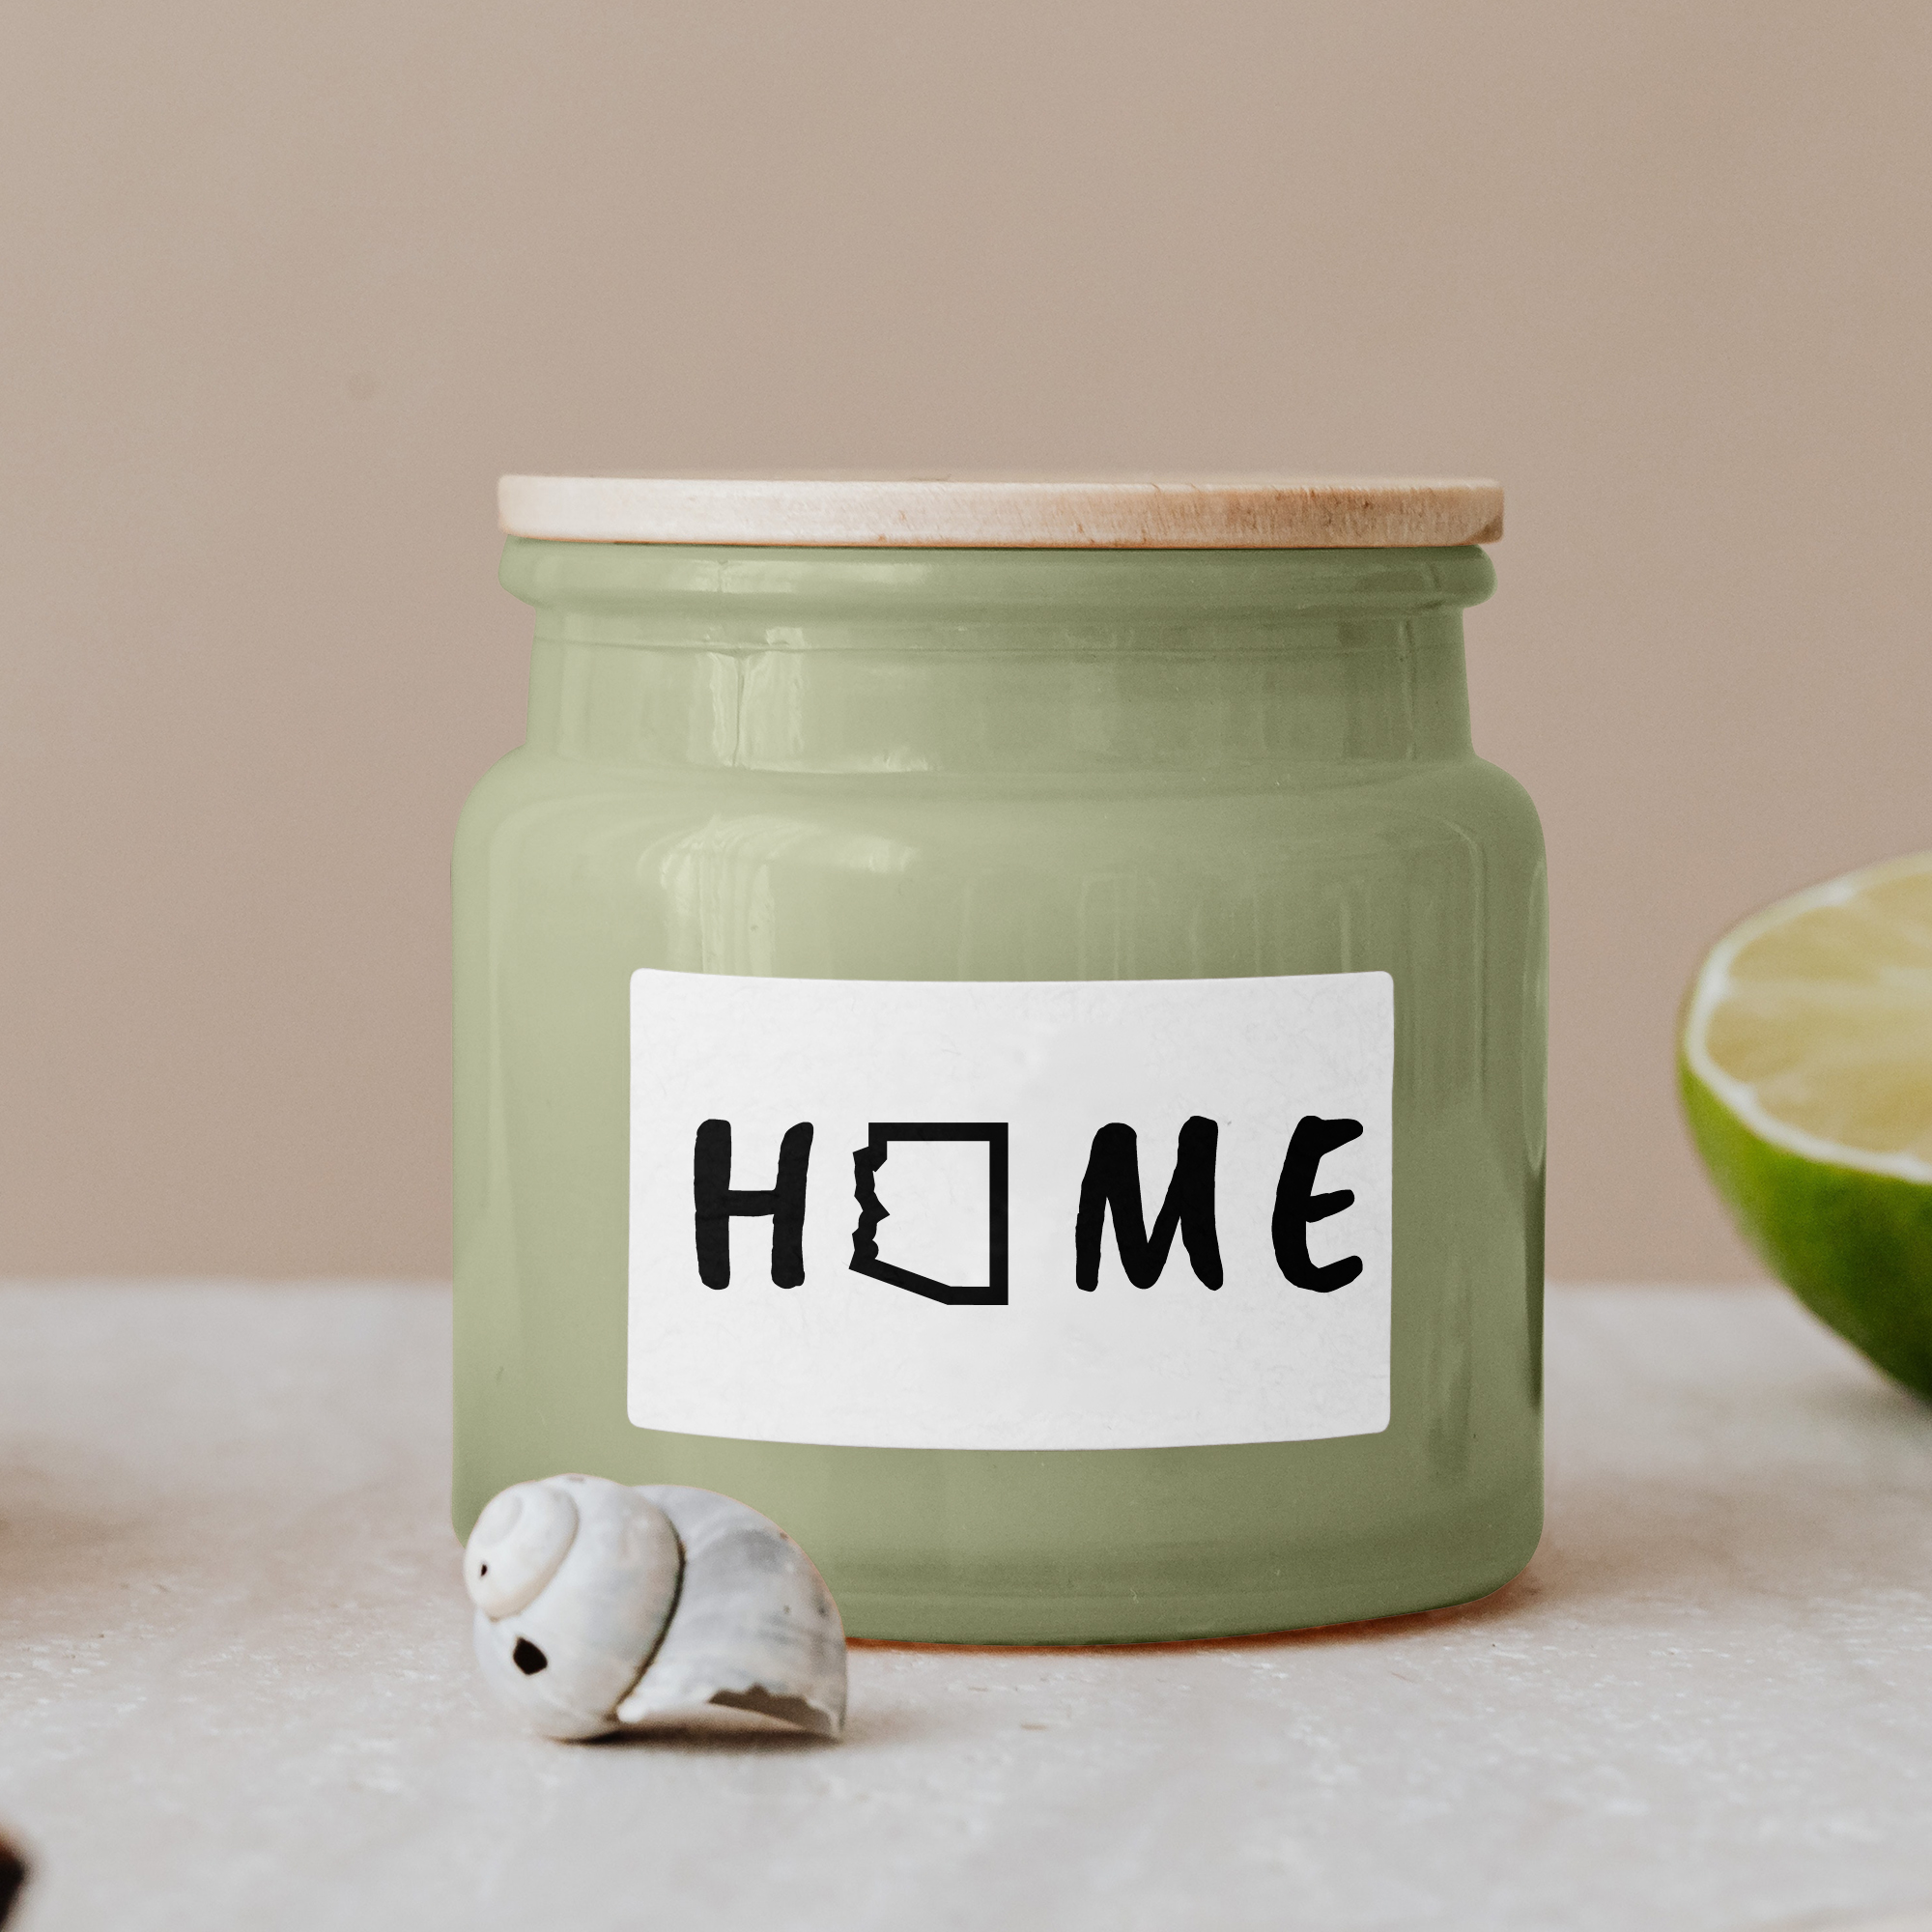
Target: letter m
{"type": "Point", "coordinates": [1113, 1181]}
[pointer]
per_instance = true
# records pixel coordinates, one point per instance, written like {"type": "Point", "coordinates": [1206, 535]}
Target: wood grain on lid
{"type": "Point", "coordinates": [947, 512]}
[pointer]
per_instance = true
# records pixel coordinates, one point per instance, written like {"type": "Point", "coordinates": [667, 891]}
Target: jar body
{"type": "Point", "coordinates": [1063, 767]}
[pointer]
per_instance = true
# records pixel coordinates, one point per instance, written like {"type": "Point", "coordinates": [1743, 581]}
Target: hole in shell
{"type": "Point", "coordinates": [527, 1657]}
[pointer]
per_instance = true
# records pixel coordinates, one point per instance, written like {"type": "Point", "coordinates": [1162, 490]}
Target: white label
{"type": "Point", "coordinates": [1102, 1214]}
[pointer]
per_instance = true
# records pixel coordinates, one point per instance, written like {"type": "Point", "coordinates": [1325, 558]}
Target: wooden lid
{"type": "Point", "coordinates": [959, 512]}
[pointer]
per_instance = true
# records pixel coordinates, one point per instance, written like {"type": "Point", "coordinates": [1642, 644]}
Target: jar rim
{"type": "Point", "coordinates": [801, 597]}
{"type": "Point", "coordinates": [1008, 513]}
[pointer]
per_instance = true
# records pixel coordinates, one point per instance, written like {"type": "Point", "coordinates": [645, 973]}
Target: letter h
{"type": "Point", "coordinates": [716, 1201]}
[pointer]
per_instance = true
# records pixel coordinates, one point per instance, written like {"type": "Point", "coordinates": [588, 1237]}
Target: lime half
{"type": "Point", "coordinates": [1807, 1070]}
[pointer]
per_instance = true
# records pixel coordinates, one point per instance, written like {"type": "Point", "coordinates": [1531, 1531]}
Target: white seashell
{"type": "Point", "coordinates": [755, 1629]}
{"type": "Point", "coordinates": [519, 1541]}
{"type": "Point", "coordinates": [602, 1609]}
{"type": "Point", "coordinates": [566, 1657]}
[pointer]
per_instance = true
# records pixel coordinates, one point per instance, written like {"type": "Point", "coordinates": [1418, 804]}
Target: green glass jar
{"type": "Point", "coordinates": [1004, 1025]}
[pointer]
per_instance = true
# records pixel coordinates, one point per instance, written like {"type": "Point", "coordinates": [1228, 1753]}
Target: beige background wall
{"type": "Point", "coordinates": [285, 287]}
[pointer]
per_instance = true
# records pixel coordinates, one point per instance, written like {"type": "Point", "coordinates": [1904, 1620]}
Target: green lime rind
{"type": "Point", "coordinates": [1854, 1247]}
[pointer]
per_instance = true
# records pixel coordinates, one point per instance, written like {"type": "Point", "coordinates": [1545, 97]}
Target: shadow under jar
{"type": "Point", "coordinates": [1004, 1025]}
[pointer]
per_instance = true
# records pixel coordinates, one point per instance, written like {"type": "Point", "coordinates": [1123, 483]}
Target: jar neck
{"type": "Point", "coordinates": [1052, 662]}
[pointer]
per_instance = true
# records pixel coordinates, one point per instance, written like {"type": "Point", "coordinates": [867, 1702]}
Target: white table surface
{"type": "Point", "coordinates": [236, 1686]}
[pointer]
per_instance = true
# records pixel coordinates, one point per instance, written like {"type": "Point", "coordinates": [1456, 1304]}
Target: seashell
{"type": "Point", "coordinates": [602, 1609]}
{"type": "Point", "coordinates": [755, 1629]}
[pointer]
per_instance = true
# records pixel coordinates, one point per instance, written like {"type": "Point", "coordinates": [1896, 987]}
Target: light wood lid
{"type": "Point", "coordinates": [959, 512]}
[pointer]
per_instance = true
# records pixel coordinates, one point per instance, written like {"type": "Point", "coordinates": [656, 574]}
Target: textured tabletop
{"type": "Point", "coordinates": [236, 1686]}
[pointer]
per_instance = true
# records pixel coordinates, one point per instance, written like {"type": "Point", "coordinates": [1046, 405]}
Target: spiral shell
{"type": "Point", "coordinates": [602, 1609]}
{"type": "Point", "coordinates": [520, 1540]}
